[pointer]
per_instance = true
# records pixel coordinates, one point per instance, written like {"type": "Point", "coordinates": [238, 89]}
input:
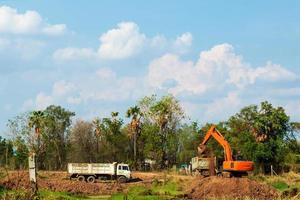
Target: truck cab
{"type": "Point", "coordinates": [123, 171]}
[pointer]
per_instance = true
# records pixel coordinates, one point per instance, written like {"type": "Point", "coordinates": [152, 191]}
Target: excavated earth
{"type": "Point", "coordinates": [195, 187]}
{"type": "Point", "coordinates": [235, 188]}
{"type": "Point", "coordinates": [60, 182]}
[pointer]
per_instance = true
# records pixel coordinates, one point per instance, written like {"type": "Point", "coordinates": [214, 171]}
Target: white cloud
{"type": "Point", "coordinates": [185, 39]}
{"type": "Point", "coordinates": [121, 42]}
{"type": "Point", "coordinates": [125, 41]}
{"type": "Point", "coordinates": [73, 54]}
{"type": "Point", "coordinates": [183, 42]}
{"type": "Point", "coordinates": [159, 42]}
{"type": "Point", "coordinates": [56, 29]}
{"type": "Point", "coordinates": [26, 49]}
{"type": "Point", "coordinates": [271, 72]}
{"type": "Point", "coordinates": [29, 22]}
{"type": "Point", "coordinates": [215, 68]}
{"type": "Point", "coordinates": [169, 67]}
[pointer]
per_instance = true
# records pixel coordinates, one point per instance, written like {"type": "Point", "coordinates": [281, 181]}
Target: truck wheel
{"type": "Point", "coordinates": [81, 178]}
{"type": "Point", "coordinates": [91, 179]}
{"type": "Point", "coordinates": [122, 179]}
{"type": "Point", "coordinates": [219, 174]}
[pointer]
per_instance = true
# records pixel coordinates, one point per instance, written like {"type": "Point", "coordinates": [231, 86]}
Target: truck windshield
{"type": "Point", "coordinates": [125, 168]}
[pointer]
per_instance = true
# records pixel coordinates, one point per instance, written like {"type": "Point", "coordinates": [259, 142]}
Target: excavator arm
{"type": "Point", "coordinates": [213, 132]}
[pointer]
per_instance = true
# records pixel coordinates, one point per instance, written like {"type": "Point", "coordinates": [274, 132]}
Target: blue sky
{"type": "Point", "coordinates": [94, 57]}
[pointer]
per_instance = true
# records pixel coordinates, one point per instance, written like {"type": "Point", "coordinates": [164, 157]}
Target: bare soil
{"type": "Point", "coordinates": [59, 181]}
{"type": "Point", "coordinates": [195, 187]}
{"type": "Point", "coordinates": [236, 188]}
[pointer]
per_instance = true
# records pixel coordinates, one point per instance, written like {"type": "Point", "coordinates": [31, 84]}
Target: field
{"type": "Point", "coordinates": [158, 185]}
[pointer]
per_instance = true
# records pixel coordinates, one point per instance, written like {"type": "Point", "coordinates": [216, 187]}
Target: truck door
{"type": "Point", "coordinates": [123, 170]}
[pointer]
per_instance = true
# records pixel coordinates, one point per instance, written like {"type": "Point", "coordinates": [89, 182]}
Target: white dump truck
{"type": "Point", "coordinates": [90, 172]}
{"type": "Point", "coordinates": [203, 166]}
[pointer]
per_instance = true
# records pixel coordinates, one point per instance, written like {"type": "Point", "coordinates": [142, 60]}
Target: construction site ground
{"type": "Point", "coordinates": [184, 187]}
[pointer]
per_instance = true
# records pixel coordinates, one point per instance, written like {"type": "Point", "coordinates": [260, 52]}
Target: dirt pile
{"type": "Point", "coordinates": [60, 183]}
{"type": "Point", "coordinates": [236, 188]}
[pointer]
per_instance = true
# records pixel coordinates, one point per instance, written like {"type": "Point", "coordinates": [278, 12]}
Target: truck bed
{"type": "Point", "coordinates": [91, 168]}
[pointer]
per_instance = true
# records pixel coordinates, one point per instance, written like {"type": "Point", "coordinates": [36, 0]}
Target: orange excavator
{"type": "Point", "coordinates": [231, 167]}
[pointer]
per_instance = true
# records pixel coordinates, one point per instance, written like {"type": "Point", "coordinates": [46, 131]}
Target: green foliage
{"type": "Point", "coordinates": [166, 114]}
{"type": "Point", "coordinates": [21, 153]}
{"type": "Point", "coordinates": [6, 152]}
{"type": "Point", "coordinates": [262, 134]}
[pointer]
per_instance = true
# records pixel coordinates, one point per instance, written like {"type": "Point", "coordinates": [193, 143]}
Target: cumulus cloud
{"type": "Point", "coordinates": [214, 69]}
{"type": "Point", "coordinates": [121, 42]}
{"type": "Point", "coordinates": [60, 89]}
{"type": "Point", "coordinates": [103, 85]}
{"type": "Point", "coordinates": [183, 43]}
{"type": "Point", "coordinates": [170, 68]}
{"type": "Point", "coordinates": [30, 22]}
{"type": "Point", "coordinates": [125, 41]}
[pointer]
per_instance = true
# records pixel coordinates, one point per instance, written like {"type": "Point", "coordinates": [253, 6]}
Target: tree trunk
{"type": "Point", "coordinates": [134, 148]}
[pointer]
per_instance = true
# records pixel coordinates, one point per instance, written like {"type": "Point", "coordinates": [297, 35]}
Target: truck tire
{"type": "Point", "coordinates": [81, 178]}
{"type": "Point", "coordinates": [122, 179]}
{"type": "Point", "coordinates": [91, 179]}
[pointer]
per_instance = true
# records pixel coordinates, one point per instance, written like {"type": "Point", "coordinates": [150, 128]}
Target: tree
{"type": "Point", "coordinates": [37, 122]}
{"type": "Point", "coordinates": [135, 127]}
{"type": "Point", "coordinates": [166, 113]}
{"type": "Point", "coordinates": [21, 153]}
{"type": "Point", "coordinates": [98, 134]}
{"type": "Point", "coordinates": [115, 139]}
{"type": "Point", "coordinates": [57, 125]}
{"type": "Point", "coordinates": [6, 152]}
{"type": "Point", "coordinates": [44, 132]}
{"type": "Point", "coordinates": [82, 142]}
{"type": "Point", "coordinates": [262, 134]}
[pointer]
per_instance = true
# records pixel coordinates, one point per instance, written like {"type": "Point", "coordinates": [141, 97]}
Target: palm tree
{"type": "Point", "coordinates": [36, 121]}
{"type": "Point", "coordinates": [135, 125]}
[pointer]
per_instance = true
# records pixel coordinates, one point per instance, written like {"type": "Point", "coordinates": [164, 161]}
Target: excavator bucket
{"type": "Point", "coordinates": [201, 149]}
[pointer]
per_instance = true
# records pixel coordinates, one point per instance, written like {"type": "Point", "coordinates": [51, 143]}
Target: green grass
{"type": "Point", "coordinates": [280, 185]}
{"type": "Point", "coordinates": [156, 191]}
{"type": "Point", "coordinates": [46, 194]}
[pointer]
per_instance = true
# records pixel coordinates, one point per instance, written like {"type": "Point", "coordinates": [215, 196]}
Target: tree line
{"type": "Point", "coordinates": [156, 129]}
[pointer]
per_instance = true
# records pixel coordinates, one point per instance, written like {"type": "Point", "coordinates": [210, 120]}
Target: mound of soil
{"type": "Point", "coordinates": [60, 183]}
{"type": "Point", "coordinates": [236, 188]}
